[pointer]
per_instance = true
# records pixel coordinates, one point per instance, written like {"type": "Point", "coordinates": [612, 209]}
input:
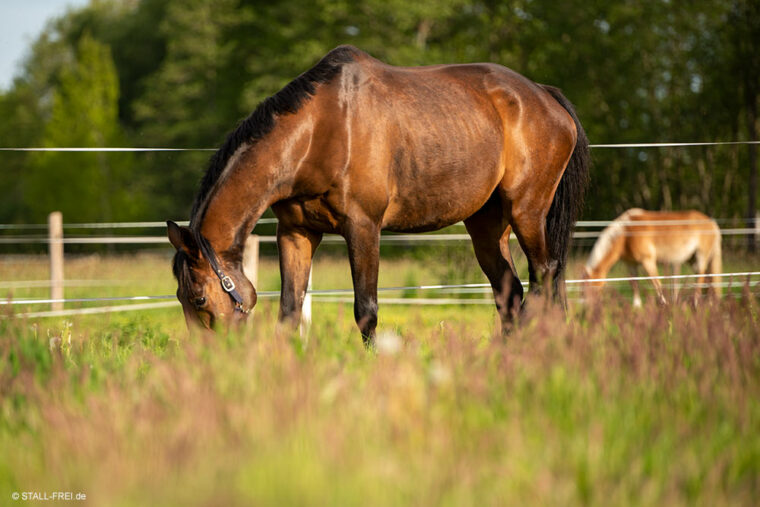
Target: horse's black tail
{"type": "Point", "coordinates": [568, 199]}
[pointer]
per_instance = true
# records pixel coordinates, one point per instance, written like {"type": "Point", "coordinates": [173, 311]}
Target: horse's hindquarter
{"type": "Point", "coordinates": [427, 141]}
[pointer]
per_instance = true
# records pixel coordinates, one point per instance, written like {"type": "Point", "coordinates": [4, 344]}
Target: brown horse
{"type": "Point", "coordinates": [353, 147]}
{"type": "Point", "coordinates": [640, 237]}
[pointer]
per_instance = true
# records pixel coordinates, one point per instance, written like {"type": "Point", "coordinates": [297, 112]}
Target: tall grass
{"type": "Point", "coordinates": [606, 406]}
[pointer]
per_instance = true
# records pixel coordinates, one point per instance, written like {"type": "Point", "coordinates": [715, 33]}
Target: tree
{"type": "Point", "coordinates": [189, 69]}
{"type": "Point", "coordinates": [91, 185]}
{"type": "Point", "coordinates": [744, 26]}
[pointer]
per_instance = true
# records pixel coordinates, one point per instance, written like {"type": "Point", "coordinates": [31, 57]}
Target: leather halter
{"type": "Point", "coordinates": [227, 284]}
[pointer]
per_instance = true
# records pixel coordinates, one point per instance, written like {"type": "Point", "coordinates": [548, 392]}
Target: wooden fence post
{"type": "Point", "coordinates": [251, 259]}
{"type": "Point", "coordinates": [55, 248]}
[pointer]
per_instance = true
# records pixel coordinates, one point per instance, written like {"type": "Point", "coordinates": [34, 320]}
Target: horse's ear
{"type": "Point", "coordinates": [181, 237]}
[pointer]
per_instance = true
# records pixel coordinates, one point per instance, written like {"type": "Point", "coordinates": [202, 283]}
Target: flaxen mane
{"type": "Point", "coordinates": [608, 236]}
{"type": "Point", "coordinates": [262, 120]}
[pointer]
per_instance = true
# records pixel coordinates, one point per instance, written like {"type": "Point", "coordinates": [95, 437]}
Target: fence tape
{"type": "Point", "coordinates": [104, 149]}
{"type": "Point", "coordinates": [663, 277]}
{"type": "Point", "coordinates": [99, 309]}
{"type": "Point", "coordinates": [666, 145]}
{"type": "Point", "coordinates": [327, 239]}
{"type": "Point", "coordinates": [112, 225]}
{"type": "Point", "coordinates": [140, 149]}
{"type": "Point", "coordinates": [32, 284]}
{"type": "Point", "coordinates": [337, 292]}
{"type": "Point", "coordinates": [266, 221]}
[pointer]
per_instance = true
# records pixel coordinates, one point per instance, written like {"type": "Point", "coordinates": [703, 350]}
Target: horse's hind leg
{"type": "Point", "coordinates": [700, 268]}
{"type": "Point", "coordinates": [363, 240]}
{"type": "Point", "coordinates": [530, 227]}
{"type": "Point", "coordinates": [490, 232]}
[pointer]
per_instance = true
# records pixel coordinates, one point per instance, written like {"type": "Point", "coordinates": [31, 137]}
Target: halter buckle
{"type": "Point", "coordinates": [227, 283]}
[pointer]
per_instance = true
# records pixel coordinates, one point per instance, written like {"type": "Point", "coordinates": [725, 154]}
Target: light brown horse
{"type": "Point", "coordinates": [353, 147]}
{"type": "Point", "coordinates": [640, 237]}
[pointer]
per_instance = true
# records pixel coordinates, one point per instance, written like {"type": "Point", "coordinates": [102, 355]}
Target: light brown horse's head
{"type": "Point", "coordinates": [592, 289]}
{"type": "Point", "coordinates": [592, 274]}
{"type": "Point", "coordinates": [212, 288]}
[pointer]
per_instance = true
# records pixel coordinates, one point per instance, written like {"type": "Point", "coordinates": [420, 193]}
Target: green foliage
{"type": "Point", "coordinates": [185, 100]}
{"type": "Point", "coordinates": [84, 186]}
{"type": "Point", "coordinates": [21, 126]}
{"type": "Point", "coordinates": [187, 71]}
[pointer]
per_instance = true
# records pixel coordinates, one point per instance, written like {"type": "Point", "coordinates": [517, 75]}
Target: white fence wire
{"type": "Point", "coordinates": [338, 295]}
{"type": "Point", "coordinates": [145, 149]}
{"type": "Point", "coordinates": [327, 239]}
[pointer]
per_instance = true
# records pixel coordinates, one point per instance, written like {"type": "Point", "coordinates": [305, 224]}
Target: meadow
{"type": "Point", "coordinates": [605, 405]}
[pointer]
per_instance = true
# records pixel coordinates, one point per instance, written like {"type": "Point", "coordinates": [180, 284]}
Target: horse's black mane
{"type": "Point", "coordinates": [262, 120]}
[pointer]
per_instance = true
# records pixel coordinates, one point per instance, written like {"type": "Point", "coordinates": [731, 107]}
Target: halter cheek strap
{"type": "Point", "coordinates": [227, 283]}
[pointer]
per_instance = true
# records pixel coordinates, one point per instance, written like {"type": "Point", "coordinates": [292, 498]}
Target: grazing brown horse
{"type": "Point", "coordinates": [353, 147]}
{"type": "Point", "coordinates": [640, 237]}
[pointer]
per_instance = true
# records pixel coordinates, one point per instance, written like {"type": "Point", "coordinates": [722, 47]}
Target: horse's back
{"type": "Point", "coordinates": [431, 144]}
{"type": "Point", "coordinates": [687, 220]}
{"type": "Point", "coordinates": [675, 236]}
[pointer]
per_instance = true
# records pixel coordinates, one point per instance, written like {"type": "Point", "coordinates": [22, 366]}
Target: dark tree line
{"type": "Point", "coordinates": [182, 73]}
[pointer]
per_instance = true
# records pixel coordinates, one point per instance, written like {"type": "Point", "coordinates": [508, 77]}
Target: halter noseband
{"type": "Point", "coordinates": [227, 284]}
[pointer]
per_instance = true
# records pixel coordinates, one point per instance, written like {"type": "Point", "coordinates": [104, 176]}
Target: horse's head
{"type": "Point", "coordinates": [592, 288]}
{"type": "Point", "coordinates": [212, 289]}
{"type": "Point", "coordinates": [591, 274]}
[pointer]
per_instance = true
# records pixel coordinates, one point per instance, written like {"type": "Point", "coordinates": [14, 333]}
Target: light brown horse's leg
{"type": "Point", "coordinates": [490, 238]}
{"type": "Point", "coordinates": [363, 240]}
{"type": "Point", "coordinates": [700, 268]}
{"type": "Point", "coordinates": [296, 248]}
{"type": "Point", "coordinates": [675, 269]}
{"type": "Point", "coordinates": [650, 266]}
{"type": "Point", "coordinates": [698, 289]}
{"type": "Point", "coordinates": [634, 272]}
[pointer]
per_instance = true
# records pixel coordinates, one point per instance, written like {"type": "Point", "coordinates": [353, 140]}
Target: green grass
{"type": "Point", "coordinates": [607, 405]}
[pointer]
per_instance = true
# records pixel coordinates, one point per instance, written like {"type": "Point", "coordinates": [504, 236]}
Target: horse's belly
{"type": "Point", "coordinates": [428, 204]}
{"type": "Point", "coordinates": [676, 252]}
{"type": "Point", "coordinates": [399, 221]}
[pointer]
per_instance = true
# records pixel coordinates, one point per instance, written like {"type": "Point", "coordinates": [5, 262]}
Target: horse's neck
{"type": "Point", "coordinates": [606, 251]}
{"type": "Point", "coordinates": [226, 229]}
{"type": "Point", "coordinates": [254, 180]}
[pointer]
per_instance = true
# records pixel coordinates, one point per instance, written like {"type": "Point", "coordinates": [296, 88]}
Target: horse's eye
{"type": "Point", "coordinates": [199, 302]}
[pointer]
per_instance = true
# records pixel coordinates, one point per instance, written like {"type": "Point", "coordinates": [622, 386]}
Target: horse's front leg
{"type": "Point", "coordinates": [296, 247]}
{"type": "Point", "coordinates": [650, 266]}
{"type": "Point", "coordinates": [676, 286]}
{"type": "Point", "coordinates": [363, 240]}
{"type": "Point", "coordinates": [634, 272]}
